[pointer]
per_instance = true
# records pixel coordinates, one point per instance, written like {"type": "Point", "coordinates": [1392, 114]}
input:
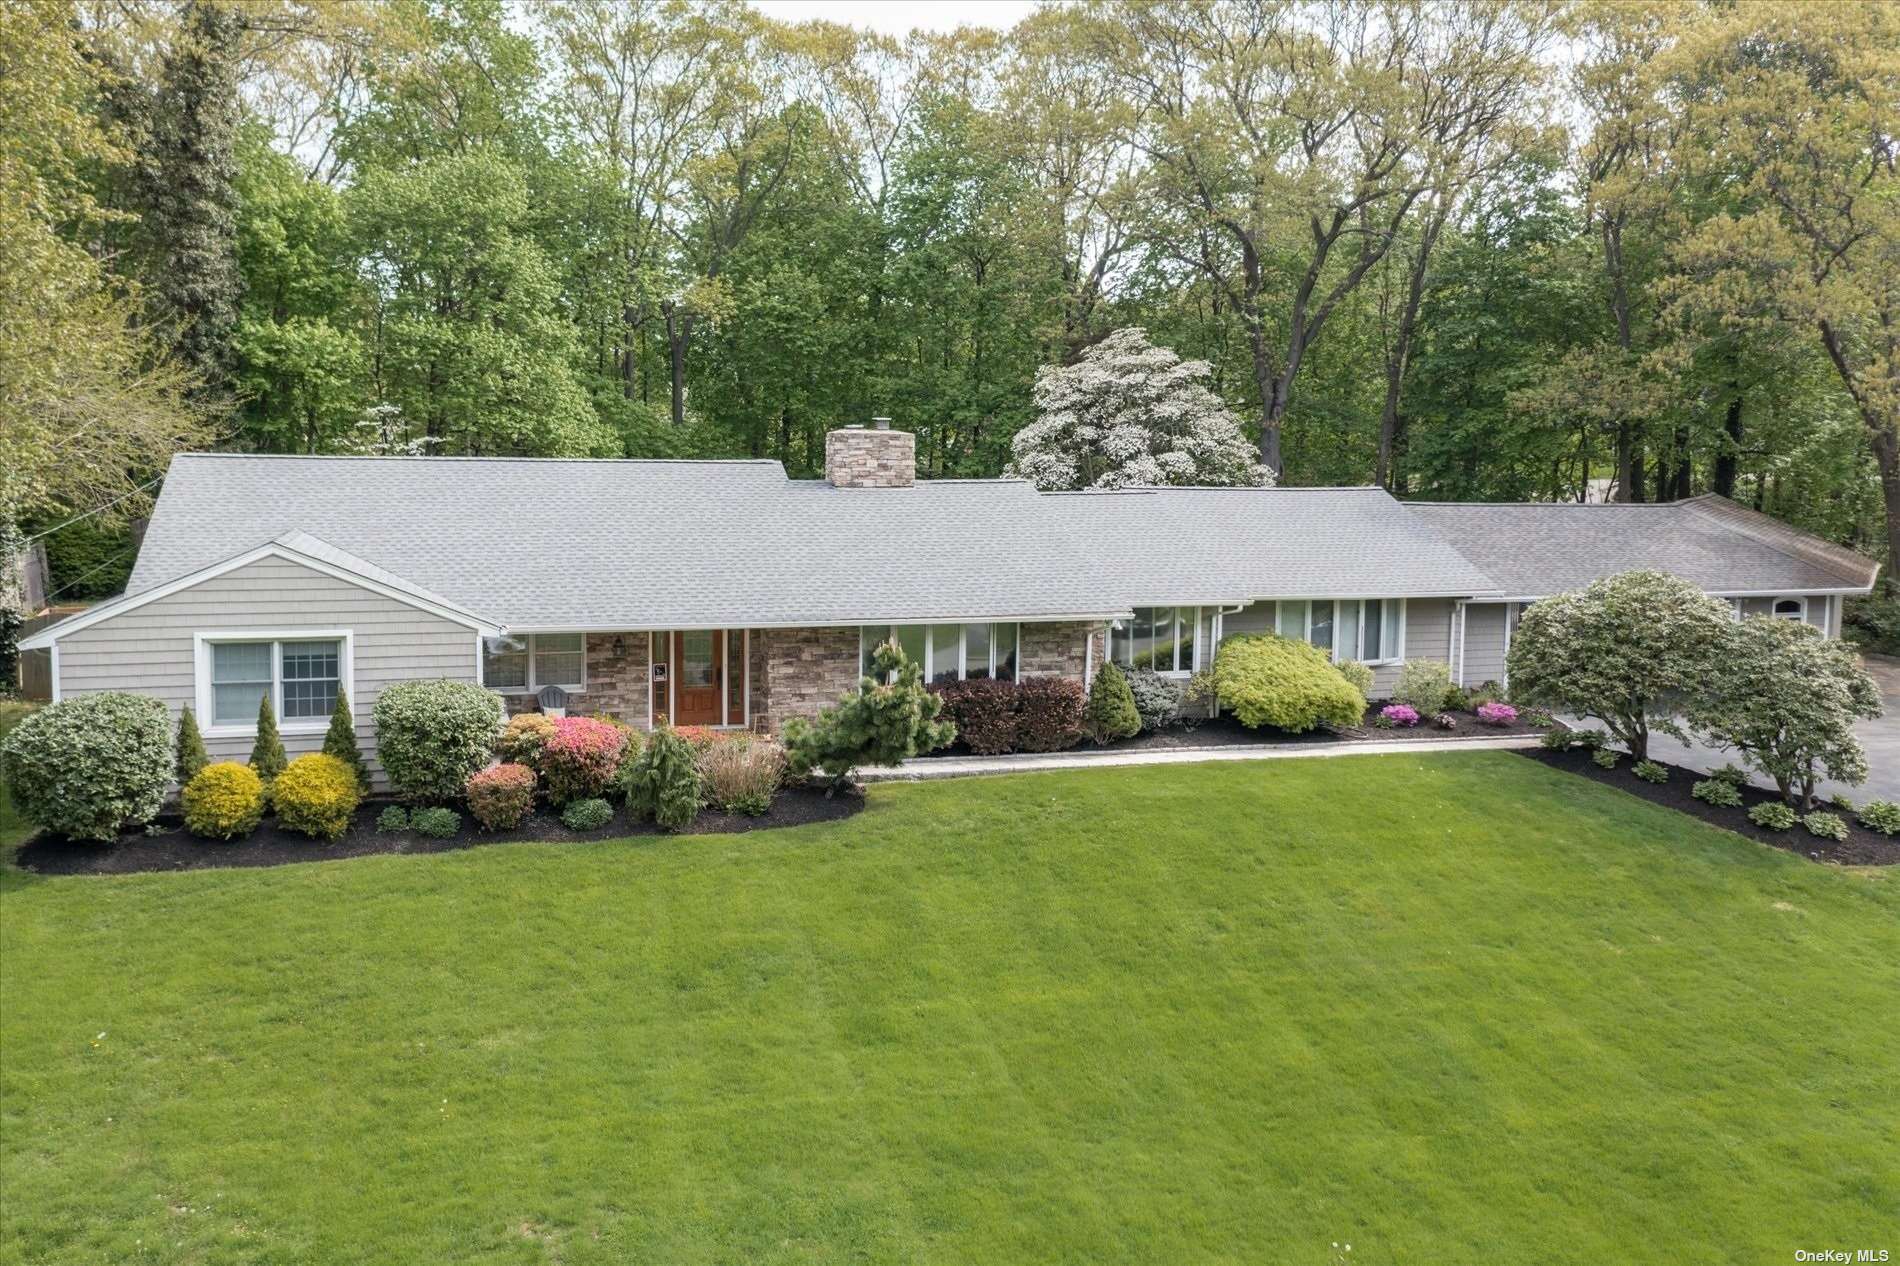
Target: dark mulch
{"type": "Point", "coordinates": [1861, 847]}
{"type": "Point", "coordinates": [172, 848]}
{"type": "Point", "coordinates": [1225, 731]}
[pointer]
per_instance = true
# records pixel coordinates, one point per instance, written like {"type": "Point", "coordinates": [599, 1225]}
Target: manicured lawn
{"type": "Point", "coordinates": [1442, 1007]}
{"type": "Point", "coordinates": [13, 827]}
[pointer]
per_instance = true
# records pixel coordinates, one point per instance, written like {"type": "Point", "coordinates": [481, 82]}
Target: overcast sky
{"type": "Point", "coordinates": [900, 17]}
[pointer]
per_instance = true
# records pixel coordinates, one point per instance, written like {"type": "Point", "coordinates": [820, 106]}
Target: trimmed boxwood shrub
{"type": "Point", "coordinates": [1111, 711]}
{"type": "Point", "coordinates": [85, 767]}
{"type": "Point", "coordinates": [986, 713]}
{"type": "Point", "coordinates": [579, 760]}
{"type": "Point", "coordinates": [663, 783]}
{"type": "Point", "coordinates": [223, 801]}
{"type": "Point", "coordinates": [436, 823]}
{"type": "Point", "coordinates": [1158, 699]}
{"type": "Point", "coordinates": [502, 796]}
{"type": "Point", "coordinates": [316, 795]}
{"type": "Point", "coordinates": [1265, 679]}
{"type": "Point", "coordinates": [1050, 714]}
{"type": "Point", "coordinates": [433, 734]}
{"type": "Point", "coordinates": [587, 815]}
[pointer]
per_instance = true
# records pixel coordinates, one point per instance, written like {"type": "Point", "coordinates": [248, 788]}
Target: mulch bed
{"type": "Point", "coordinates": [1225, 731]}
{"type": "Point", "coordinates": [171, 847]}
{"type": "Point", "coordinates": [1861, 847]}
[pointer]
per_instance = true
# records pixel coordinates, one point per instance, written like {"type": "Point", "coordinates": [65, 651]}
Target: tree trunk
{"type": "Point", "coordinates": [1638, 473]}
{"type": "Point", "coordinates": [679, 330]}
{"type": "Point", "coordinates": [1886, 448]}
{"type": "Point", "coordinates": [1272, 388]}
{"type": "Point", "coordinates": [1399, 356]}
{"type": "Point", "coordinates": [1728, 460]}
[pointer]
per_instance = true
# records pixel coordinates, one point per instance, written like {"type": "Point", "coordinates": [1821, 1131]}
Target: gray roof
{"type": "Point", "coordinates": [1534, 549]}
{"type": "Point", "coordinates": [637, 544]}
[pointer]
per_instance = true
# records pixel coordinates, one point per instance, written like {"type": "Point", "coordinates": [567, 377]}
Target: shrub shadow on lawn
{"type": "Point", "coordinates": [1862, 847]}
{"type": "Point", "coordinates": [171, 847]}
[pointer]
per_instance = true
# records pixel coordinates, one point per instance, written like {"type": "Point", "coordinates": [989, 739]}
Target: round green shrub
{"type": "Point", "coordinates": [437, 823]}
{"type": "Point", "coordinates": [1773, 815]}
{"type": "Point", "coordinates": [1827, 826]}
{"type": "Point", "coordinates": [1264, 679]}
{"type": "Point", "coordinates": [1650, 771]}
{"type": "Point", "coordinates": [433, 734]}
{"type": "Point", "coordinates": [392, 819]}
{"type": "Point", "coordinates": [587, 815]}
{"type": "Point", "coordinates": [316, 795]}
{"type": "Point", "coordinates": [87, 766]}
{"type": "Point", "coordinates": [1880, 815]}
{"type": "Point", "coordinates": [1111, 712]}
{"type": "Point", "coordinates": [1717, 791]}
{"type": "Point", "coordinates": [1424, 685]}
{"type": "Point", "coordinates": [223, 801]}
{"type": "Point", "coordinates": [1360, 675]}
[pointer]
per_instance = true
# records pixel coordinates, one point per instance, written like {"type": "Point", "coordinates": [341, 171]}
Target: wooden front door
{"type": "Point", "coordinates": [699, 668]}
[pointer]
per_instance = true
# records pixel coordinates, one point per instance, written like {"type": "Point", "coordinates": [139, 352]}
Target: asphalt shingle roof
{"type": "Point", "coordinates": [640, 544]}
{"type": "Point", "coordinates": [1534, 549]}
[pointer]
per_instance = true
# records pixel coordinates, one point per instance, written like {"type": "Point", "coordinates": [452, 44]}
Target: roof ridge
{"type": "Point", "coordinates": [464, 457]}
{"type": "Point", "coordinates": [1556, 505]}
{"type": "Point", "coordinates": [1821, 552]}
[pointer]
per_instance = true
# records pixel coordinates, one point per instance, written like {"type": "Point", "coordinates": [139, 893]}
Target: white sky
{"type": "Point", "coordinates": [900, 17]}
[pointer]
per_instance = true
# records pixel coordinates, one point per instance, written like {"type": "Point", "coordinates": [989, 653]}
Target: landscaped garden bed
{"type": "Point", "coordinates": [1862, 847]}
{"type": "Point", "coordinates": [167, 845]}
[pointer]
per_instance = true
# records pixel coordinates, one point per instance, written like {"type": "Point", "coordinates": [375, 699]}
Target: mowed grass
{"type": "Point", "coordinates": [1439, 1007]}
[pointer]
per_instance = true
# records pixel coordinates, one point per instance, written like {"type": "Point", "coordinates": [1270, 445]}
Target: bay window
{"type": "Point", "coordinates": [1158, 638]}
{"type": "Point", "coordinates": [946, 652]}
{"type": "Point", "coordinates": [525, 662]}
{"type": "Point", "coordinates": [1370, 630]}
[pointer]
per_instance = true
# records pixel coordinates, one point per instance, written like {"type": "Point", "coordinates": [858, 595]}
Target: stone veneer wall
{"type": "Point", "coordinates": [617, 684]}
{"type": "Point", "coordinates": [857, 458]}
{"type": "Point", "coordinates": [805, 670]}
{"type": "Point", "coordinates": [1056, 650]}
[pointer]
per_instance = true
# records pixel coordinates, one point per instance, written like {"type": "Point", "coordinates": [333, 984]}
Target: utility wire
{"type": "Point", "coordinates": [87, 574]}
{"type": "Point", "coordinates": [95, 510]}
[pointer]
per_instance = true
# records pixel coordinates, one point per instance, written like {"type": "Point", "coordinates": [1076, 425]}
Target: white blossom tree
{"type": "Point", "coordinates": [1129, 414]}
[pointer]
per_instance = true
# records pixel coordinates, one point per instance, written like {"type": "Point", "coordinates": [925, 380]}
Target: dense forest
{"type": "Point", "coordinates": [1522, 249]}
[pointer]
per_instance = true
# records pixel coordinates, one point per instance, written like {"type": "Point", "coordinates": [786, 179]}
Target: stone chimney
{"type": "Point", "coordinates": [874, 458]}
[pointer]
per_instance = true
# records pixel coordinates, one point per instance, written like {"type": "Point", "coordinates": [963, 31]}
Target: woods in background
{"type": "Point", "coordinates": [1524, 249]}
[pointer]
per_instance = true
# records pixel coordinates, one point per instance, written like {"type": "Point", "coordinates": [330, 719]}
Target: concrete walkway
{"type": "Point", "coordinates": [970, 766]}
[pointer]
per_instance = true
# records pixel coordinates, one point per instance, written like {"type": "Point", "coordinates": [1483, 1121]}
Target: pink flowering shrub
{"type": "Point", "coordinates": [1497, 713]}
{"type": "Point", "coordinates": [579, 760]}
{"type": "Point", "coordinates": [502, 796]}
{"type": "Point", "coordinates": [1399, 714]}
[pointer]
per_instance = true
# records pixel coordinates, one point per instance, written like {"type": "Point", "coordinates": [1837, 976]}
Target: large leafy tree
{"type": "Point", "coordinates": [1130, 414]}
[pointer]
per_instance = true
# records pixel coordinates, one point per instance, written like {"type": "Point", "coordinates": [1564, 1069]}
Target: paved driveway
{"type": "Point", "coordinates": [1880, 738]}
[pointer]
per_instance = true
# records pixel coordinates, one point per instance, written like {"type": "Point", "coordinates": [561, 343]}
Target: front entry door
{"type": "Point", "coordinates": [699, 682]}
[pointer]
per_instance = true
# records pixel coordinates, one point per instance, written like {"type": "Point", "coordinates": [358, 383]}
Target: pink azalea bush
{"type": "Point", "coordinates": [1497, 713]}
{"type": "Point", "coordinates": [579, 759]}
{"type": "Point", "coordinates": [1399, 714]}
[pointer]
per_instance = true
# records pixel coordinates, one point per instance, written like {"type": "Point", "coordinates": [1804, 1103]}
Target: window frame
{"type": "Point", "coordinates": [535, 686]}
{"type": "Point", "coordinates": [1192, 627]}
{"type": "Point", "coordinates": [1391, 615]}
{"type": "Point", "coordinates": [203, 641]}
{"type": "Point", "coordinates": [1800, 600]}
{"type": "Point", "coordinates": [930, 646]}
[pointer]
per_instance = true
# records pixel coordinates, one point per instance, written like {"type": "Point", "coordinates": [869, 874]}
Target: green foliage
{"type": "Point", "coordinates": [1786, 698]}
{"type": "Point", "coordinates": [663, 781]}
{"type": "Point", "coordinates": [1650, 771]}
{"type": "Point", "coordinates": [431, 735]}
{"type": "Point", "coordinates": [587, 815]}
{"type": "Point", "coordinates": [1626, 650]}
{"type": "Point", "coordinates": [1111, 709]}
{"type": "Point", "coordinates": [1880, 815]}
{"type": "Point", "coordinates": [435, 822]}
{"type": "Point", "coordinates": [1734, 775]}
{"type": "Point", "coordinates": [1826, 826]}
{"type": "Point", "coordinates": [223, 801]}
{"type": "Point", "coordinates": [190, 748]}
{"type": "Point", "coordinates": [1605, 757]}
{"type": "Point", "coordinates": [1716, 791]}
{"type": "Point", "coordinates": [267, 750]}
{"type": "Point", "coordinates": [340, 740]}
{"type": "Point", "coordinates": [1424, 685]}
{"type": "Point", "coordinates": [1360, 675]}
{"type": "Point", "coordinates": [86, 766]}
{"type": "Point", "coordinates": [1264, 679]}
{"type": "Point", "coordinates": [316, 795]}
{"type": "Point", "coordinates": [1159, 700]}
{"type": "Point", "coordinates": [393, 818]}
{"type": "Point", "coordinates": [1772, 815]}
{"type": "Point", "coordinates": [886, 721]}
{"type": "Point", "coordinates": [1557, 740]}
{"type": "Point", "coordinates": [522, 739]}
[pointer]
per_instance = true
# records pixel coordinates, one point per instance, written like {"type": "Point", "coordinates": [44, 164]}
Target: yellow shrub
{"type": "Point", "coordinates": [223, 801]}
{"type": "Point", "coordinates": [316, 794]}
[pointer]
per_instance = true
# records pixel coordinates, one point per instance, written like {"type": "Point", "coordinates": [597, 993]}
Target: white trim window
{"type": "Point", "coordinates": [299, 670]}
{"type": "Point", "coordinates": [947, 652]}
{"type": "Point", "coordinates": [1370, 630]}
{"type": "Point", "coordinates": [524, 663]}
{"type": "Point", "coordinates": [1791, 607]}
{"type": "Point", "coordinates": [1164, 639]}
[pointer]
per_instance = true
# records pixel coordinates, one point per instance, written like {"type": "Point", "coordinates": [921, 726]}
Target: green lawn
{"type": "Point", "coordinates": [1447, 1008]}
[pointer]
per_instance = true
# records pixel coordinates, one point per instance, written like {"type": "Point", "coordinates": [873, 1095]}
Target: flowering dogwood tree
{"type": "Point", "coordinates": [1129, 414]}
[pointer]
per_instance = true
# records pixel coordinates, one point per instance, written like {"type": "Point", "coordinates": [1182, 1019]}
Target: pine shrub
{"type": "Point", "coordinates": [192, 757]}
{"type": "Point", "coordinates": [1111, 711]}
{"type": "Point", "coordinates": [340, 741]}
{"type": "Point", "coordinates": [316, 795]}
{"type": "Point", "coordinates": [876, 724]}
{"type": "Point", "coordinates": [267, 752]}
{"type": "Point", "coordinates": [223, 801]}
{"type": "Point", "coordinates": [664, 781]}
{"type": "Point", "coordinates": [1159, 700]}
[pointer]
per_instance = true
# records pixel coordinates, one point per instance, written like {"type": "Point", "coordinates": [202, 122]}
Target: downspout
{"type": "Point", "coordinates": [1220, 631]}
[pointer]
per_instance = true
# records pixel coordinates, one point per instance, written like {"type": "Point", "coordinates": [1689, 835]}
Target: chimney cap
{"type": "Point", "coordinates": [882, 424]}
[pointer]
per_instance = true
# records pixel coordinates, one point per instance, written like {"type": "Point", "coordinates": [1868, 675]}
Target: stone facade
{"type": "Point", "coordinates": [805, 670]}
{"type": "Point", "coordinates": [1058, 650]}
{"type": "Point", "coordinates": [857, 458]}
{"type": "Point", "coordinates": [617, 683]}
